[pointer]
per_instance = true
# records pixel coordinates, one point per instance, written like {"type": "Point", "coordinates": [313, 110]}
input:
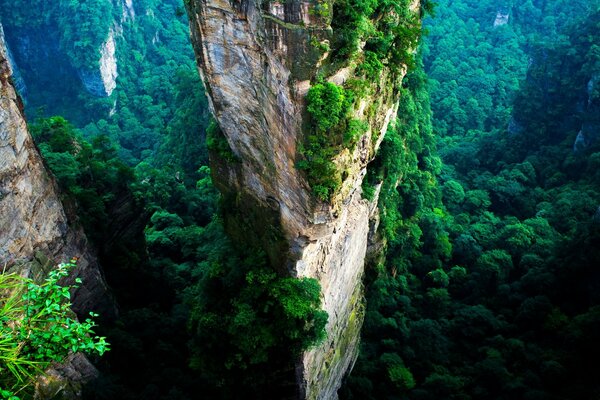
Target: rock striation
{"type": "Point", "coordinates": [258, 61]}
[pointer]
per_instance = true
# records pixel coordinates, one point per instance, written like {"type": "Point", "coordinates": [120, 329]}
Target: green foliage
{"type": "Point", "coordinates": [327, 103]}
{"type": "Point", "coordinates": [389, 30]}
{"type": "Point", "coordinates": [90, 175]}
{"type": "Point", "coordinates": [414, 230]}
{"type": "Point", "coordinates": [500, 275]}
{"type": "Point", "coordinates": [354, 131]}
{"type": "Point", "coordinates": [83, 25]}
{"type": "Point", "coordinates": [328, 106]}
{"type": "Point", "coordinates": [453, 192]}
{"type": "Point", "coordinates": [37, 328]}
{"type": "Point", "coordinates": [158, 96]}
{"type": "Point", "coordinates": [247, 320]}
{"type": "Point", "coordinates": [406, 188]}
{"type": "Point", "coordinates": [371, 67]}
{"type": "Point", "coordinates": [80, 40]}
{"type": "Point", "coordinates": [216, 142]}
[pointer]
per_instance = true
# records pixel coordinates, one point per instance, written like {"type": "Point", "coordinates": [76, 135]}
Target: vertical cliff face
{"type": "Point", "coordinates": [258, 61]}
{"type": "Point", "coordinates": [35, 230]}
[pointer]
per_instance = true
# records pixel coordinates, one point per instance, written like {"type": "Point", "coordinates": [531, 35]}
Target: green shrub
{"type": "Point", "coordinates": [326, 104]}
{"type": "Point", "coordinates": [331, 130]}
{"type": "Point", "coordinates": [216, 142]}
{"type": "Point", "coordinates": [389, 30]}
{"type": "Point", "coordinates": [89, 174]}
{"type": "Point", "coordinates": [248, 321]}
{"type": "Point", "coordinates": [355, 129]}
{"type": "Point", "coordinates": [371, 66]}
{"type": "Point", "coordinates": [37, 328]}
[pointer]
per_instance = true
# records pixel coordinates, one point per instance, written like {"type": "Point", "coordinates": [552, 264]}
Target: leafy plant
{"type": "Point", "coordinates": [327, 104]}
{"type": "Point", "coordinates": [249, 322]}
{"type": "Point", "coordinates": [331, 130]}
{"type": "Point", "coordinates": [37, 328]}
{"type": "Point", "coordinates": [389, 29]}
{"type": "Point", "coordinates": [216, 142]}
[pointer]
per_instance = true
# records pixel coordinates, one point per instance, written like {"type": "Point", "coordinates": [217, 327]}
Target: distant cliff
{"type": "Point", "coordinates": [78, 41]}
{"type": "Point", "coordinates": [259, 60]}
{"type": "Point", "coordinates": [35, 231]}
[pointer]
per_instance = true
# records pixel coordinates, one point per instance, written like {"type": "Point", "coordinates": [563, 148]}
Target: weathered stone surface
{"type": "Point", "coordinates": [128, 10]}
{"type": "Point", "coordinates": [35, 233]}
{"type": "Point", "coordinates": [257, 60]}
{"type": "Point", "coordinates": [65, 381]}
{"type": "Point", "coordinates": [502, 17]}
{"type": "Point", "coordinates": [103, 80]}
{"type": "Point", "coordinates": [18, 81]}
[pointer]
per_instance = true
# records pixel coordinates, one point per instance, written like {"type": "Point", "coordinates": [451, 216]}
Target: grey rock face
{"type": "Point", "coordinates": [128, 10]}
{"type": "Point", "coordinates": [65, 381]}
{"type": "Point", "coordinates": [18, 81]}
{"type": "Point", "coordinates": [102, 81]}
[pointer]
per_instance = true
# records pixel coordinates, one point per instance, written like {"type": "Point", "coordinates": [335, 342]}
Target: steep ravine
{"type": "Point", "coordinates": [35, 231]}
{"type": "Point", "coordinates": [257, 61]}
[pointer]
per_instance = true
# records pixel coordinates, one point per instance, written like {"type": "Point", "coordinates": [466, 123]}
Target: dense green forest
{"type": "Point", "coordinates": [490, 195]}
{"type": "Point", "coordinates": [490, 285]}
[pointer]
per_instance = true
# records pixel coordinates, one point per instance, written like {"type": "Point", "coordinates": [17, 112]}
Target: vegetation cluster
{"type": "Point", "coordinates": [332, 130]}
{"type": "Point", "coordinates": [382, 32]}
{"type": "Point", "coordinates": [379, 38]}
{"type": "Point", "coordinates": [38, 328]}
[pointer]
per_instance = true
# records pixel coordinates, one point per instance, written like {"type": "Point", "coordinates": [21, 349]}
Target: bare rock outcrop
{"type": "Point", "coordinates": [258, 60]}
{"type": "Point", "coordinates": [102, 81]}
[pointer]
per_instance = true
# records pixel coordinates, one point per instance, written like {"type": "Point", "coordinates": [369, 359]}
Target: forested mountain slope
{"type": "Point", "coordinates": [136, 153]}
{"type": "Point", "coordinates": [499, 297]}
